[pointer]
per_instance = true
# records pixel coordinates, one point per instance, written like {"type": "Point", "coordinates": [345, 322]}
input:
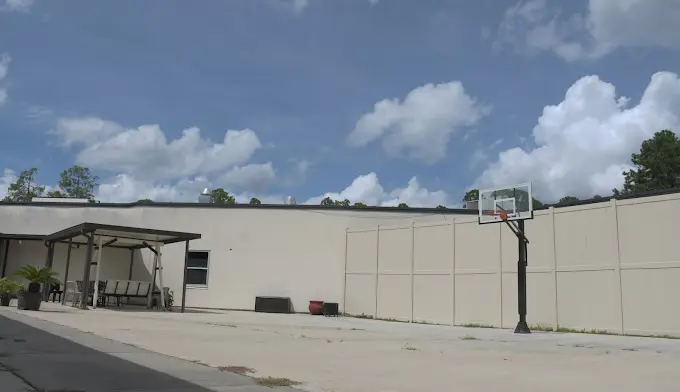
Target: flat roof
{"type": "Point", "coordinates": [316, 207]}
{"type": "Point", "coordinates": [119, 236]}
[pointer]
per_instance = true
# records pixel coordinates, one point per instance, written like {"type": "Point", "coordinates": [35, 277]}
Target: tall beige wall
{"type": "Point", "coordinates": [611, 266]}
{"type": "Point", "coordinates": [253, 251]}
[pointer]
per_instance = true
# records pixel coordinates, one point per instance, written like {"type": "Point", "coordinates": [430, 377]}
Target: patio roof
{"type": "Point", "coordinates": [120, 236]}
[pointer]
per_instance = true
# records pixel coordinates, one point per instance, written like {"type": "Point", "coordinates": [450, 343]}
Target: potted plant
{"type": "Point", "coordinates": [7, 288]}
{"type": "Point", "coordinates": [30, 298]}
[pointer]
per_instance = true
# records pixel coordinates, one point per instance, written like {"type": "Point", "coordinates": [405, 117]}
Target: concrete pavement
{"type": "Point", "coordinates": [42, 356]}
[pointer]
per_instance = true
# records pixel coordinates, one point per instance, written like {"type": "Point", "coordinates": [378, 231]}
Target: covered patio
{"type": "Point", "coordinates": [96, 237]}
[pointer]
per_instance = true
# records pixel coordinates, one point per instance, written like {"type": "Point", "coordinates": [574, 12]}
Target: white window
{"type": "Point", "coordinates": [197, 268]}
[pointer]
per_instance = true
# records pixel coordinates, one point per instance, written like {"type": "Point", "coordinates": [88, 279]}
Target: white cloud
{"type": "Point", "coordinates": [125, 188]}
{"type": "Point", "coordinates": [367, 189]}
{"type": "Point", "coordinates": [254, 177]}
{"type": "Point", "coordinates": [4, 69]}
{"type": "Point", "coordinates": [17, 5]}
{"type": "Point", "coordinates": [605, 26]}
{"type": "Point", "coordinates": [300, 5]}
{"type": "Point", "coordinates": [422, 124]}
{"type": "Point", "coordinates": [584, 143]}
{"type": "Point", "coordinates": [8, 177]}
{"type": "Point", "coordinates": [145, 153]}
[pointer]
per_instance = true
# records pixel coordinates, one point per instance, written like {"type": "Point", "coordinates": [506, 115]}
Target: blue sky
{"type": "Point", "coordinates": [304, 77]}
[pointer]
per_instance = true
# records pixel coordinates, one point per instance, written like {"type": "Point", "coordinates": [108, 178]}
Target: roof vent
{"type": "Point", "coordinates": [206, 197]}
{"type": "Point", "coordinates": [289, 201]}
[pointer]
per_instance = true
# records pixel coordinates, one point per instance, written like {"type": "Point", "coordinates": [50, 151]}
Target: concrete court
{"type": "Point", "coordinates": [358, 355]}
{"type": "Point", "coordinates": [33, 357]}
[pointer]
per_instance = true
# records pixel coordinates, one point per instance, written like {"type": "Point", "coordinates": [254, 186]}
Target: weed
{"type": "Point", "coordinates": [477, 326]}
{"type": "Point", "coordinates": [629, 349]}
{"type": "Point", "coordinates": [409, 348]}
{"type": "Point", "coordinates": [273, 382]}
{"type": "Point", "coordinates": [468, 337]}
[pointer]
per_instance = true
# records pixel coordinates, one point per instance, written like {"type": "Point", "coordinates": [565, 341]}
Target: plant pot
{"type": "Point", "coordinates": [34, 287]}
{"type": "Point", "coordinates": [316, 308]}
{"type": "Point", "coordinates": [29, 301]}
{"type": "Point", "coordinates": [4, 299]}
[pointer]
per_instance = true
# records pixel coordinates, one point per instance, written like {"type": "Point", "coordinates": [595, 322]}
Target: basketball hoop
{"type": "Point", "coordinates": [501, 214]}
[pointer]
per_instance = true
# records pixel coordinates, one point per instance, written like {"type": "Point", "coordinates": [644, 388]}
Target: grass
{"type": "Point", "coordinates": [477, 326]}
{"type": "Point", "coordinates": [548, 328]}
{"type": "Point", "coordinates": [468, 337]}
{"type": "Point", "coordinates": [276, 382]}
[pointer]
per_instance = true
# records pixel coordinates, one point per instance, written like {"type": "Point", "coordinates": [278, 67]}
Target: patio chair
{"type": "Point", "coordinates": [55, 290]}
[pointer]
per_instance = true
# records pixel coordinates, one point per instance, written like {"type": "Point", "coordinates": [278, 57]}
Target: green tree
{"type": "Point", "coordinates": [144, 201]}
{"type": "Point", "coordinates": [25, 188]}
{"type": "Point", "coordinates": [441, 207]}
{"type": "Point", "coordinates": [255, 200]}
{"type": "Point", "coordinates": [471, 195]}
{"type": "Point", "coordinates": [327, 201]}
{"type": "Point", "coordinates": [568, 199]}
{"type": "Point", "coordinates": [220, 196]}
{"type": "Point", "coordinates": [402, 205]}
{"type": "Point", "coordinates": [359, 204]}
{"type": "Point", "coordinates": [597, 197]}
{"type": "Point", "coordinates": [657, 165]}
{"type": "Point", "coordinates": [76, 182]}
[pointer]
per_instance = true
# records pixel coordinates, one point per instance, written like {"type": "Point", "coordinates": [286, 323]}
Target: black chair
{"type": "Point", "coordinates": [55, 291]}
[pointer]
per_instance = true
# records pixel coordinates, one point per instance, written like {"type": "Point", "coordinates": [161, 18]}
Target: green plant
{"type": "Point", "coordinates": [273, 382]}
{"type": "Point", "coordinates": [171, 298]}
{"type": "Point", "coordinates": [8, 286]}
{"type": "Point", "coordinates": [42, 275]}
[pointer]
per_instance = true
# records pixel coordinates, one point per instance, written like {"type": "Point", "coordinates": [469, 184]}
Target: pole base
{"type": "Point", "coordinates": [522, 327]}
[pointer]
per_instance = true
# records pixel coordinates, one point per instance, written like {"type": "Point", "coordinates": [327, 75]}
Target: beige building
{"type": "Point", "coordinates": [611, 265]}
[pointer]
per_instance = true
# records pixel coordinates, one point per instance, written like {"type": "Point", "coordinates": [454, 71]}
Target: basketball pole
{"type": "Point", "coordinates": [522, 326]}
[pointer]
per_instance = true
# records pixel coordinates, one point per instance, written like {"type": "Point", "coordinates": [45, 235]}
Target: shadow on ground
{"type": "Point", "coordinates": [48, 362]}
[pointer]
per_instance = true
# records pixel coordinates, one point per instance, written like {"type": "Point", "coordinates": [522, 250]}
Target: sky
{"type": "Point", "coordinates": [379, 101]}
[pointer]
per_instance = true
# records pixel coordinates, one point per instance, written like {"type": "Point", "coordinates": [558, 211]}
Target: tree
{"type": "Point", "coordinates": [597, 197]}
{"type": "Point", "coordinates": [441, 207]}
{"type": "Point", "coordinates": [76, 182]}
{"type": "Point", "coordinates": [402, 205]}
{"type": "Point", "coordinates": [220, 196]}
{"type": "Point", "coordinates": [568, 199]}
{"type": "Point", "coordinates": [144, 201]}
{"type": "Point", "coordinates": [25, 188]}
{"type": "Point", "coordinates": [359, 204]}
{"type": "Point", "coordinates": [471, 195]}
{"type": "Point", "coordinates": [657, 165]}
{"type": "Point", "coordinates": [255, 200]}
{"type": "Point", "coordinates": [535, 203]}
{"type": "Point", "coordinates": [327, 201]}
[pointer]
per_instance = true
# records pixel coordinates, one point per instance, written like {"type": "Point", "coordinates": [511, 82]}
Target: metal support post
{"type": "Point", "coordinates": [522, 326]}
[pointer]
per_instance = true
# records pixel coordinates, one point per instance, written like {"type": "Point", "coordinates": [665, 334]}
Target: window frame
{"type": "Point", "coordinates": [207, 269]}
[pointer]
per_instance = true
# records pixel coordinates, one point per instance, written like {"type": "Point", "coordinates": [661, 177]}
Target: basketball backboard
{"type": "Point", "coordinates": [515, 200]}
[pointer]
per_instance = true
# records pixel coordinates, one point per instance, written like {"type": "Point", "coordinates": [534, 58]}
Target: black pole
{"type": "Point", "coordinates": [184, 278]}
{"type": "Point", "coordinates": [68, 264]}
{"type": "Point", "coordinates": [132, 259]}
{"type": "Point", "coordinates": [86, 272]}
{"type": "Point", "coordinates": [522, 326]}
{"type": "Point", "coordinates": [4, 257]}
{"type": "Point", "coordinates": [48, 263]}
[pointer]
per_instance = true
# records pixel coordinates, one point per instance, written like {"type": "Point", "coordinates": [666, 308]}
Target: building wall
{"type": "Point", "coordinates": [253, 251]}
{"type": "Point", "coordinates": [115, 262]}
{"type": "Point", "coordinates": [611, 266]}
